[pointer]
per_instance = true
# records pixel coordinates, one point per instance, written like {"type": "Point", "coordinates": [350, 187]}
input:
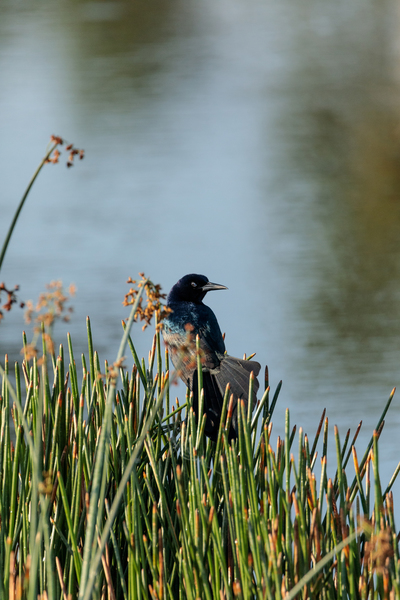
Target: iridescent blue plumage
{"type": "Point", "coordinates": [189, 318]}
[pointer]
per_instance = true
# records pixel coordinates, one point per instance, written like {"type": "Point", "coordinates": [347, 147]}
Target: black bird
{"type": "Point", "coordinates": [189, 318]}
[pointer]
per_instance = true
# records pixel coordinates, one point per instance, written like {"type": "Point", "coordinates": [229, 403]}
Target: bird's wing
{"type": "Point", "coordinates": [212, 344]}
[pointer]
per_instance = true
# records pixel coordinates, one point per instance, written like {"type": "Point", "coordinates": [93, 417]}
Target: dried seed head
{"type": "Point", "coordinates": [55, 155]}
{"type": "Point", "coordinates": [152, 305]}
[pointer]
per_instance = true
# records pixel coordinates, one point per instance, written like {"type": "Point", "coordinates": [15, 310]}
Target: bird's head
{"type": "Point", "coordinates": [192, 288]}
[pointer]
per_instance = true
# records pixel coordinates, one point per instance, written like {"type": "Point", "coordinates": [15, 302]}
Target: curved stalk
{"type": "Point", "coordinates": [21, 204]}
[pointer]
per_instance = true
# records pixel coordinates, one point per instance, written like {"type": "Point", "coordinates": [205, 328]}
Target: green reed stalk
{"type": "Point", "coordinates": [22, 202]}
{"type": "Point", "coordinates": [97, 492]}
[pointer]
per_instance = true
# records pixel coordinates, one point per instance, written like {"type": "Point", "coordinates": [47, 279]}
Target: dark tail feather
{"type": "Point", "coordinates": [236, 372]}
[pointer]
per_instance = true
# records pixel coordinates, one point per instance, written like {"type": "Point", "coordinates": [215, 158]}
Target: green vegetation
{"type": "Point", "coordinates": [100, 494]}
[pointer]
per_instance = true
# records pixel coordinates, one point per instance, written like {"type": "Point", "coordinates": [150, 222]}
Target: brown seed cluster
{"type": "Point", "coordinates": [46, 486]}
{"type": "Point", "coordinates": [11, 298]}
{"type": "Point", "coordinates": [55, 155]}
{"type": "Point", "coordinates": [113, 371]}
{"type": "Point", "coordinates": [379, 550]}
{"type": "Point", "coordinates": [51, 306]}
{"type": "Point", "coordinates": [152, 304]}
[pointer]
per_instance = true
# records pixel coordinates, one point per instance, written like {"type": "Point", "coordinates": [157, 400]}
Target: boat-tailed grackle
{"type": "Point", "coordinates": [189, 318]}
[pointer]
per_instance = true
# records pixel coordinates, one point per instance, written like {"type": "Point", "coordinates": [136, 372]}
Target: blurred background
{"type": "Point", "coordinates": [255, 142]}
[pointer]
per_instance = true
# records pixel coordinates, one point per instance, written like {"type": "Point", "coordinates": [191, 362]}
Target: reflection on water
{"type": "Point", "coordinates": [255, 142]}
{"type": "Point", "coordinates": [344, 139]}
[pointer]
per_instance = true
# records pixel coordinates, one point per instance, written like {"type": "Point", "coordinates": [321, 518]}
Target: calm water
{"type": "Point", "coordinates": [255, 142]}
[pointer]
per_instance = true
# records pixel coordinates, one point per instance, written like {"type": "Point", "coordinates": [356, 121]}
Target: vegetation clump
{"type": "Point", "coordinates": [109, 492]}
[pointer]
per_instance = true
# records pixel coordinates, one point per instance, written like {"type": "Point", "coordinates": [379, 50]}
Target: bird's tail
{"type": "Point", "coordinates": [236, 372]}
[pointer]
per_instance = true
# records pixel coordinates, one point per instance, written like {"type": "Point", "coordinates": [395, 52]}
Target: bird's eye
{"type": "Point", "coordinates": [193, 284]}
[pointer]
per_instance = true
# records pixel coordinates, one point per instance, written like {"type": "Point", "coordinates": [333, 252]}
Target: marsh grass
{"type": "Point", "coordinates": [108, 491]}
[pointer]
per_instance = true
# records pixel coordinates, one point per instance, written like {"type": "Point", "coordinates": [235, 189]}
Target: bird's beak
{"type": "Point", "coordinates": [208, 287]}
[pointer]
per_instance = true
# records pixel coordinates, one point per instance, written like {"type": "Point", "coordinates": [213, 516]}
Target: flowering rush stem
{"type": "Point", "coordinates": [21, 204]}
{"type": "Point", "coordinates": [55, 141]}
